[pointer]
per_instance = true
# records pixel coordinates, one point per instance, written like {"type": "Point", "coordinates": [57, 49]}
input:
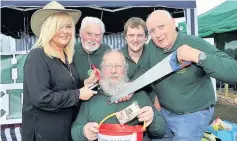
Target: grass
{"type": "Point", "coordinates": [226, 112]}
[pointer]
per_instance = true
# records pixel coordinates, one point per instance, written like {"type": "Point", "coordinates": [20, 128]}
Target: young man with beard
{"type": "Point", "coordinates": [90, 50]}
{"type": "Point", "coordinates": [187, 96]}
{"type": "Point", "coordinates": [113, 77]}
{"type": "Point", "coordinates": [136, 53]}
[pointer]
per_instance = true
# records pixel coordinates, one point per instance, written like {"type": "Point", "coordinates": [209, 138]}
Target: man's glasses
{"type": "Point", "coordinates": [110, 66]}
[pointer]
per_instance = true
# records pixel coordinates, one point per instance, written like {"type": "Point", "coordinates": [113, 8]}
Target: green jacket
{"type": "Point", "coordinates": [137, 69]}
{"type": "Point", "coordinates": [191, 89]}
{"type": "Point", "coordinates": [97, 108]}
{"type": "Point", "coordinates": [83, 60]}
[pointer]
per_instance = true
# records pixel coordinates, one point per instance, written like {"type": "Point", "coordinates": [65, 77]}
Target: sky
{"type": "Point", "coordinates": [206, 5]}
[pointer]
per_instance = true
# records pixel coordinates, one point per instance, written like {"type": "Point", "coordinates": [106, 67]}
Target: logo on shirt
{"type": "Point", "coordinates": [183, 70]}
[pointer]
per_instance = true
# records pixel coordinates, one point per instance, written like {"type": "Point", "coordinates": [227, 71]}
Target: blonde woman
{"type": "Point", "coordinates": [51, 85]}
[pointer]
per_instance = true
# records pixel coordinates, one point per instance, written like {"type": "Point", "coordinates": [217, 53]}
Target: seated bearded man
{"type": "Point", "coordinates": [114, 77]}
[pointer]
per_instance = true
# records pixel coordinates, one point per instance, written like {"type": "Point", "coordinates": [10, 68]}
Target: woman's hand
{"type": "Point", "coordinates": [86, 93]}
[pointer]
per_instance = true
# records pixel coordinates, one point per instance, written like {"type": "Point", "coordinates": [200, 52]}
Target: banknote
{"type": "Point", "coordinates": [128, 113]}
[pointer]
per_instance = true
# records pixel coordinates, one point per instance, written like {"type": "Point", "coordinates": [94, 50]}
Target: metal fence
{"type": "Point", "coordinates": [9, 44]}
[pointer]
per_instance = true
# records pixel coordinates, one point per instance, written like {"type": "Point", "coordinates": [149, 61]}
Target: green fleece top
{"type": "Point", "coordinates": [97, 108]}
{"type": "Point", "coordinates": [137, 69]}
{"type": "Point", "coordinates": [191, 89]}
{"type": "Point", "coordinates": [83, 60]}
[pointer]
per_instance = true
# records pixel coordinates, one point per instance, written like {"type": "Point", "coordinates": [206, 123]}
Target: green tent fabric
{"type": "Point", "coordinates": [220, 19]}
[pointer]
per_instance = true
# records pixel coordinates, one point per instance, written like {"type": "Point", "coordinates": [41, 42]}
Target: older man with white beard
{"type": "Point", "coordinates": [90, 50]}
{"type": "Point", "coordinates": [114, 77]}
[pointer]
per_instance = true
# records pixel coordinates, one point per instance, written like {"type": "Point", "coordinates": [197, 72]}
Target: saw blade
{"type": "Point", "coordinates": [163, 68]}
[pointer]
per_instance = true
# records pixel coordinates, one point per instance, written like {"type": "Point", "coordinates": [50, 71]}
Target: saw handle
{"type": "Point", "coordinates": [175, 64]}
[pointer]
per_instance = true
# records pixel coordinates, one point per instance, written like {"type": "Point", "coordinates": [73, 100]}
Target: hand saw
{"type": "Point", "coordinates": [163, 68]}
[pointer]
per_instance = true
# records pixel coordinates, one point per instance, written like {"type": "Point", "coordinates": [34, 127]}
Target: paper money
{"type": "Point", "coordinates": [128, 113]}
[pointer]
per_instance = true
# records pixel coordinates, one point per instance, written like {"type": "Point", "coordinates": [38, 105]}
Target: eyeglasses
{"type": "Point", "coordinates": [110, 66]}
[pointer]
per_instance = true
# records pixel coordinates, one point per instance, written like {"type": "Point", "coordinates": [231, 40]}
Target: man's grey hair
{"type": "Point", "coordinates": [118, 51]}
{"type": "Point", "coordinates": [92, 20]}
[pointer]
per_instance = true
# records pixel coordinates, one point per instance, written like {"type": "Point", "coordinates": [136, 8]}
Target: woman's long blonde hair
{"type": "Point", "coordinates": [49, 29]}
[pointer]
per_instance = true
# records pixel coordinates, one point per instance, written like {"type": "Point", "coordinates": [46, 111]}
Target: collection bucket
{"type": "Point", "coordinates": [108, 132]}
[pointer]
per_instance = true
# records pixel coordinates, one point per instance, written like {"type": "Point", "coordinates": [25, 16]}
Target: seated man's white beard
{"type": "Point", "coordinates": [112, 88]}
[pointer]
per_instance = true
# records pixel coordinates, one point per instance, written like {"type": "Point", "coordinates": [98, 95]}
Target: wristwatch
{"type": "Point", "coordinates": [201, 57]}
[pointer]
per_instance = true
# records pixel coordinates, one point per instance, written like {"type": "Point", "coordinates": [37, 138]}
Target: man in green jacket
{"type": "Point", "coordinates": [113, 77]}
{"type": "Point", "coordinates": [91, 49]}
{"type": "Point", "coordinates": [187, 96]}
{"type": "Point", "coordinates": [136, 52]}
